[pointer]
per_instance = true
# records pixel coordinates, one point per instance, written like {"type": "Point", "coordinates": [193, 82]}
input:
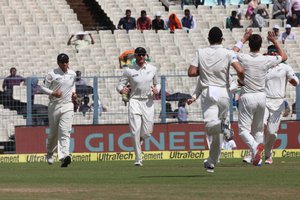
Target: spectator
{"type": "Point", "coordinates": [78, 79]}
{"type": "Point", "coordinates": [84, 108]}
{"type": "Point", "coordinates": [81, 41]}
{"type": "Point", "coordinates": [260, 18]}
{"type": "Point", "coordinates": [294, 7]}
{"type": "Point", "coordinates": [170, 113]}
{"type": "Point", "coordinates": [173, 23]}
{"type": "Point", "coordinates": [188, 21]}
{"type": "Point", "coordinates": [101, 107]}
{"type": "Point", "coordinates": [10, 81]}
{"type": "Point", "coordinates": [127, 22]}
{"type": "Point", "coordinates": [125, 59]}
{"type": "Point", "coordinates": [182, 113]}
{"type": "Point", "coordinates": [223, 2]}
{"type": "Point", "coordinates": [158, 23]}
{"type": "Point", "coordinates": [233, 21]}
{"type": "Point", "coordinates": [199, 2]}
{"type": "Point", "coordinates": [251, 7]}
{"type": "Point", "coordinates": [276, 30]}
{"type": "Point", "coordinates": [287, 35]}
{"type": "Point", "coordinates": [144, 22]}
{"type": "Point", "coordinates": [292, 20]}
{"type": "Point", "coordinates": [279, 9]}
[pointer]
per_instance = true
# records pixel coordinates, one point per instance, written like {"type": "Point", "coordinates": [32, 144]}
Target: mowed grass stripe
{"type": "Point", "coordinates": [176, 179]}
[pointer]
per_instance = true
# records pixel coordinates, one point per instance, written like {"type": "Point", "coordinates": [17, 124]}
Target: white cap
{"type": "Point", "coordinates": [288, 26]}
{"type": "Point", "coordinates": [81, 33]}
{"type": "Point", "coordinates": [276, 27]}
{"type": "Point", "coordinates": [158, 14]}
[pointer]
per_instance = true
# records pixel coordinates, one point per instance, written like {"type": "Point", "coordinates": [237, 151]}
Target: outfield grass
{"type": "Point", "coordinates": [177, 179]}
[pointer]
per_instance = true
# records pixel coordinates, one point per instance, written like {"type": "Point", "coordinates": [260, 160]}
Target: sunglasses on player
{"type": "Point", "coordinates": [140, 54]}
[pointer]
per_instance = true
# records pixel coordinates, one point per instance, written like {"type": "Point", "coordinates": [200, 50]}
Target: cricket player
{"type": "Point", "coordinates": [252, 101]}
{"type": "Point", "coordinates": [59, 84]}
{"type": "Point", "coordinates": [212, 65]}
{"type": "Point", "coordinates": [144, 84]}
{"type": "Point", "coordinates": [276, 82]}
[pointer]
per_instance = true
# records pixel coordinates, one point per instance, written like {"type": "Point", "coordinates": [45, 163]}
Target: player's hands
{"type": "Point", "coordinates": [247, 34]}
{"type": "Point", "coordinates": [272, 37]}
{"type": "Point", "coordinates": [125, 90]}
{"type": "Point", "coordinates": [190, 101]}
{"type": "Point", "coordinates": [154, 90]}
{"type": "Point", "coordinates": [57, 93]}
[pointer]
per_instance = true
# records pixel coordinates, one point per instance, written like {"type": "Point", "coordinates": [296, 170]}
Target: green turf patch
{"type": "Point", "coordinates": [177, 179]}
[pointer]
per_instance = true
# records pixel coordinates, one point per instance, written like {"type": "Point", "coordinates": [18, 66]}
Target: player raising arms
{"type": "Point", "coordinates": [252, 101]}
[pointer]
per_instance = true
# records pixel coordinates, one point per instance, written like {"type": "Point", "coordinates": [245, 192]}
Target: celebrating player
{"type": "Point", "coordinates": [252, 101]}
{"type": "Point", "coordinates": [212, 64]}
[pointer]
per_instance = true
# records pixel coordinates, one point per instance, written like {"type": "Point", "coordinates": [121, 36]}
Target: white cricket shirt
{"type": "Point", "coordinates": [213, 63]}
{"type": "Point", "coordinates": [255, 67]}
{"type": "Point", "coordinates": [140, 80]}
{"type": "Point", "coordinates": [55, 80]}
{"type": "Point", "coordinates": [276, 80]}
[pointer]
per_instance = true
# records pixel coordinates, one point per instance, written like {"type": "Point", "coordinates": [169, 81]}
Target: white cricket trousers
{"type": "Point", "coordinates": [272, 119]}
{"type": "Point", "coordinates": [60, 124]}
{"type": "Point", "coordinates": [141, 120]}
{"type": "Point", "coordinates": [215, 109]}
{"type": "Point", "coordinates": [251, 119]}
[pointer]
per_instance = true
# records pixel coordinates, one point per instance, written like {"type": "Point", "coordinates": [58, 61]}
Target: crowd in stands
{"type": "Point", "coordinates": [145, 23]}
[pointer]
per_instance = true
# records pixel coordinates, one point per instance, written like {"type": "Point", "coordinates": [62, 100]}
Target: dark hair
{"type": "Point", "coordinates": [215, 35]}
{"type": "Point", "coordinates": [233, 13]}
{"type": "Point", "coordinates": [143, 12]}
{"type": "Point", "coordinates": [128, 11]}
{"type": "Point", "coordinates": [186, 10]}
{"type": "Point", "coordinates": [255, 42]}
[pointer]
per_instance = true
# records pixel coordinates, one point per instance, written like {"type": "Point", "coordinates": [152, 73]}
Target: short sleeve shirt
{"type": "Point", "coordinates": [214, 62]}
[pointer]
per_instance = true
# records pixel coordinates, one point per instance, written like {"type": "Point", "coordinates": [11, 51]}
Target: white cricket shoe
{"type": "Point", "coordinates": [208, 167]}
{"type": "Point", "coordinates": [248, 158]}
{"type": "Point", "coordinates": [50, 158]}
{"type": "Point", "coordinates": [138, 163]}
{"type": "Point", "coordinates": [269, 161]}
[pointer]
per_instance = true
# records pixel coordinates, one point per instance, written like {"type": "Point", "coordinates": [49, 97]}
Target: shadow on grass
{"type": "Point", "coordinates": [175, 176]}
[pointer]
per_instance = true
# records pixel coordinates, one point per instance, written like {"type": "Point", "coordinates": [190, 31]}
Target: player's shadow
{"type": "Point", "coordinates": [175, 176]}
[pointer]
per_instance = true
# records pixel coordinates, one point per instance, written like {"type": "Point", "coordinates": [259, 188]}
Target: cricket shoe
{"type": "Point", "coordinates": [269, 161]}
{"type": "Point", "coordinates": [65, 161]}
{"type": "Point", "coordinates": [257, 158]}
{"type": "Point", "coordinates": [208, 167]}
{"type": "Point", "coordinates": [248, 158]}
{"type": "Point", "coordinates": [138, 163]}
{"type": "Point", "coordinates": [227, 132]}
{"type": "Point", "coordinates": [50, 158]}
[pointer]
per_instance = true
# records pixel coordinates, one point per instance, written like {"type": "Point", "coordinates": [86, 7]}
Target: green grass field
{"type": "Point", "coordinates": [179, 179]}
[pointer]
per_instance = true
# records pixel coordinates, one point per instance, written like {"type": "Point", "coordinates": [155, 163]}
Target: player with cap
{"type": "Point", "coordinates": [59, 84]}
{"type": "Point", "coordinates": [158, 23]}
{"type": "Point", "coordinates": [252, 101]}
{"type": "Point", "coordinates": [212, 65]}
{"type": "Point", "coordinates": [144, 84]}
{"type": "Point", "coordinates": [276, 82]}
{"type": "Point", "coordinates": [287, 35]}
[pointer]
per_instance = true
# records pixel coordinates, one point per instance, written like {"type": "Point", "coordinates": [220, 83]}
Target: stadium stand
{"type": "Point", "coordinates": [34, 32]}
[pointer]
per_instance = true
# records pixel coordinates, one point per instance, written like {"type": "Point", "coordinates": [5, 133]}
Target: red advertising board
{"type": "Point", "coordinates": [166, 137]}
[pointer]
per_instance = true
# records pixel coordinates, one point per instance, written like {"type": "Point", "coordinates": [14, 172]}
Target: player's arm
{"type": "Point", "coordinates": [156, 84]}
{"type": "Point", "coordinates": [245, 38]}
{"type": "Point", "coordinates": [122, 85]}
{"type": "Point", "coordinates": [272, 38]}
{"type": "Point", "coordinates": [239, 70]}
